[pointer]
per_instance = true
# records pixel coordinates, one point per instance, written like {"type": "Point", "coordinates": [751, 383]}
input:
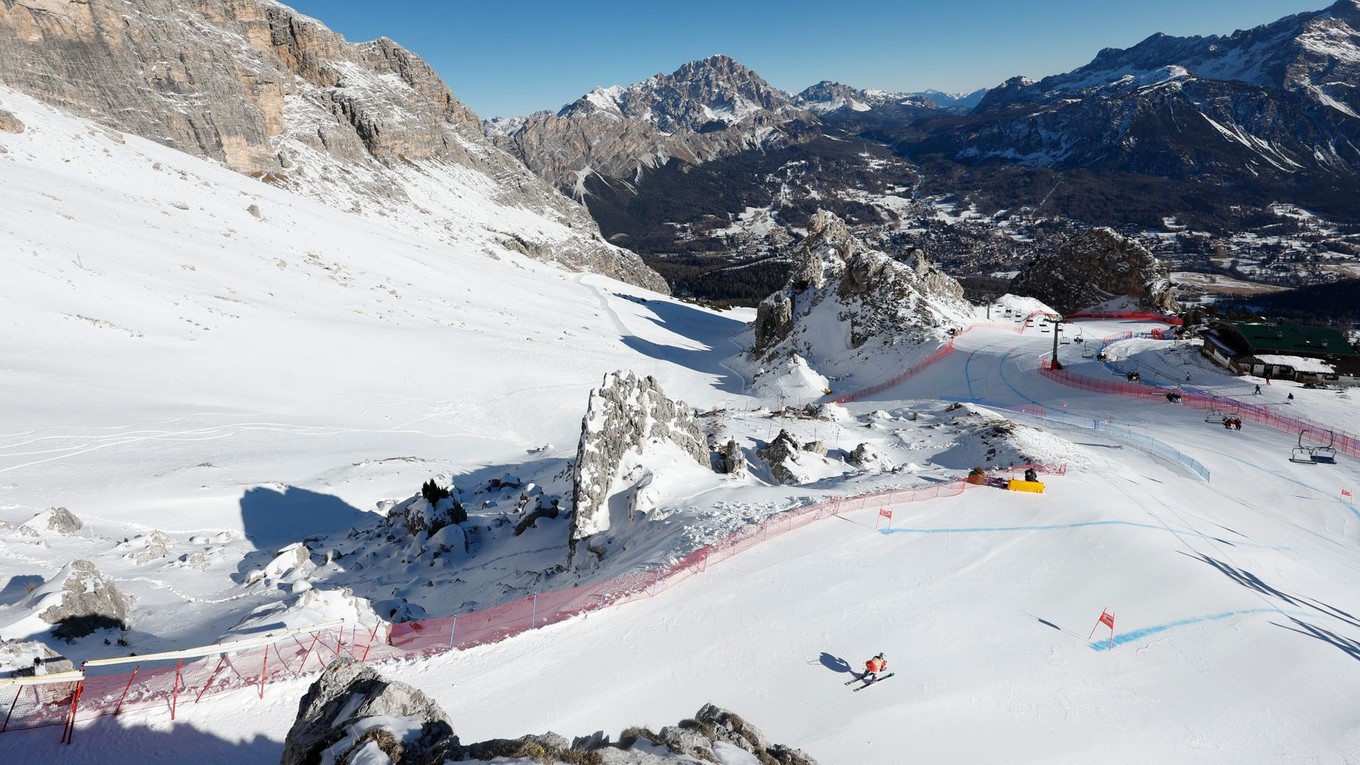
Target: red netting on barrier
{"type": "Point", "coordinates": [1340, 440]}
{"type": "Point", "coordinates": [173, 685]}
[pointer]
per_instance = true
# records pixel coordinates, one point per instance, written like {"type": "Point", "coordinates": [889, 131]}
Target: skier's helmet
{"type": "Point", "coordinates": [881, 656]}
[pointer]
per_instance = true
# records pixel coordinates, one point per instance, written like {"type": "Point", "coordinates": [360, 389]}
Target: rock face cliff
{"type": "Point", "coordinates": [1098, 269]}
{"type": "Point", "coordinates": [627, 417]}
{"type": "Point", "coordinates": [843, 298]}
{"type": "Point", "coordinates": [274, 94]}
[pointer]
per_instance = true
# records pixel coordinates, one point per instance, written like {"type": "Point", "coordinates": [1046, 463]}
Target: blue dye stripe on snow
{"type": "Point", "coordinates": [1055, 526]}
{"type": "Point", "coordinates": [1128, 637]}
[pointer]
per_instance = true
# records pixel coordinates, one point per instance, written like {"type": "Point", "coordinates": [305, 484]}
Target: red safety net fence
{"type": "Point", "coordinates": [941, 352]}
{"type": "Point", "coordinates": [1271, 417]}
{"type": "Point", "coordinates": [175, 681]}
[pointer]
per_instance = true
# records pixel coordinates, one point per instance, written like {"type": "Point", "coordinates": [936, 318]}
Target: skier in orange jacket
{"type": "Point", "coordinates": [873, 666]}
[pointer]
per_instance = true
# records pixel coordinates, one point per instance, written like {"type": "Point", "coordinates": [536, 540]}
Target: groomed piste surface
{"type": "Point", "coordinates": [237, 383]}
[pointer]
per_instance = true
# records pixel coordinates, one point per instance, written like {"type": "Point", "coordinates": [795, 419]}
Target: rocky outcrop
{"type": "Point", "coordinates": [351, 713]}
{"type": "Point", "coordinates": [57, 519]}
{"type": "Point", "coordinates": [1094, 268]}
{"type": "Point", "coordinates": [417, 515]}
{"type": "Point", "coordinates": [27, 658]}
{"type": "Point", "coordinates": [781, 455]}
{"type": "Point", "coordinates": [877, 299]}
{"type": "Point", "coordinates": [731, 459]}
{"type": "Point", "coordinates": [9, 123]}
{"type": "Point", "coordinates": [866, 457]}
{"type": "Point", "coordinates": [625, 415]}
{"type": "Point", "coordinates": [271, 93]}
{"type": "Point", "coordinates": [88, 601]}
{"type": "Point", "coordinates": [703, 111]}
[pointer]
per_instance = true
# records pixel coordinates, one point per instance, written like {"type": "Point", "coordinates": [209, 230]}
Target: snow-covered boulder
{"type": "Point", "coordinates": [145, 548]}
{"type": "Point", "coordinates": [867, 457]}
{"type": "Point", "coordinates": [80, 600]}
{"type": "Point", "coordinates": [54, 519]}
{"type": "Point", "coordinates": [18, 658]}
{"type": "Point", "coordinates": [353, 714]}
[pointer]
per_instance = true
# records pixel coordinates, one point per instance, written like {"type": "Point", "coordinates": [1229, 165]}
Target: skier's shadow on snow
{"type": "Point", "coordinates": [835, 663]}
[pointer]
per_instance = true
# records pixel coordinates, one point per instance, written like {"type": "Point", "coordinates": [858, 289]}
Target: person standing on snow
{"type": "Point", "coordinates": [873, 666]}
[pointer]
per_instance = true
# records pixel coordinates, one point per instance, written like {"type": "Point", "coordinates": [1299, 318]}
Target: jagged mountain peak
{"type": "Point", "coordinates": [700, 96]}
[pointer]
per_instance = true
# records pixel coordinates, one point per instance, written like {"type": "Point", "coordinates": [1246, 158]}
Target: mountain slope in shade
{"type": "Point", "coordinates": [273, 94]}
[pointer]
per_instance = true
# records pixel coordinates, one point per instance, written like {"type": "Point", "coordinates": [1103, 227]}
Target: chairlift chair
{"type": "Point", "coordinates": [1302, 454]}
{"type": "Point", "coordinates": [1325, 454]}
{"type": "Point", "coordinates": [1214, 416]}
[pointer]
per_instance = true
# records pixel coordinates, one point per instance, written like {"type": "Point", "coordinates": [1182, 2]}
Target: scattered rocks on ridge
{"type": "Point", "coordinates": [353, 714]}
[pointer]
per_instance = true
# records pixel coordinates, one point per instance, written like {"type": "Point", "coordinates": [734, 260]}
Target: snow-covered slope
{"type": "Point", "coordinates": [207, 371]}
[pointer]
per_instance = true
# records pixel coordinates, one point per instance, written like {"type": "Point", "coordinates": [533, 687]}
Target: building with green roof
{"type": "Point", "coordinates": [1283, 351]}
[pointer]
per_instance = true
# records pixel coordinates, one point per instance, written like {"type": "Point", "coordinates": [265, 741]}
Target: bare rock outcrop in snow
{"type": "Point", "coordinates": [87, 601]}
{"type": "Point", "coordinates": [353, 714]}
{"type": "Point", "coordinates": [781, 455]}
{"type": "Point", "coordinates": [23, 658]}
{"type": "Point", "coordinates": [1096, 267]}
{"type": "Point", "coordinates": [843, 296]}
{"type": "Point", "coordinates": [731, 459]}
{"type": "Point", "coordinates": [626, 415]}
{"type": "Point", "coordinates": [866, 457]}
{"type": "Point", "coordinates": [9, 123]}
{"type": "Point", "coordinates": [57, 519]}
{"type": "Point", "coordinates": [271, 93]}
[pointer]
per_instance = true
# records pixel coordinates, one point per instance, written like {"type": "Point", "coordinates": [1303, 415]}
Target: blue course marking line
{"type": "Point", "coordinates": [1291, 479]}
{"type": "Point", "coordinates": [1078, 524]}
{"type": "Point", "coordinates": [1129, 637]}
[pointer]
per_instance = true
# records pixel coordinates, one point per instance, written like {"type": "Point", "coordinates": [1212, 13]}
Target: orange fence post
{"type": "Point", "coordinates": [211, 677]}
{"type": "Point", "coordinates": [264, 668]}
{"type": "Point", "coordinates": [174, 692]}
{"type": "Point", "coordinates": [68, 731]}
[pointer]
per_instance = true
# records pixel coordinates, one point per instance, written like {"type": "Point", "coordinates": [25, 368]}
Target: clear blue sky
{"type": "Point", "coordinates": [512, 57]}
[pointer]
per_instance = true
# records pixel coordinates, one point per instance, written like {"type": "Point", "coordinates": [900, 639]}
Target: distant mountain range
{"type": "Point", "coordinates": [1236, 154]}
{"type": "Point", "coordinates": [1203, 148]}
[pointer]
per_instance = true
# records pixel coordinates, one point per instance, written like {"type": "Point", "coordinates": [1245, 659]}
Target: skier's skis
{"type": "Point", "coordinates": [853, 679]}
{"type": "Point", "coordinates": [866, 685]}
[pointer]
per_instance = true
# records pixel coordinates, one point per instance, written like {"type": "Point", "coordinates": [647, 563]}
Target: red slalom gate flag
{"type": "Point", "coordinates": [885, 513]}
{"type": "Point", "coordinates": [1107, 619]}
{"type": "Point", "coordinates": [1346, 493]}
